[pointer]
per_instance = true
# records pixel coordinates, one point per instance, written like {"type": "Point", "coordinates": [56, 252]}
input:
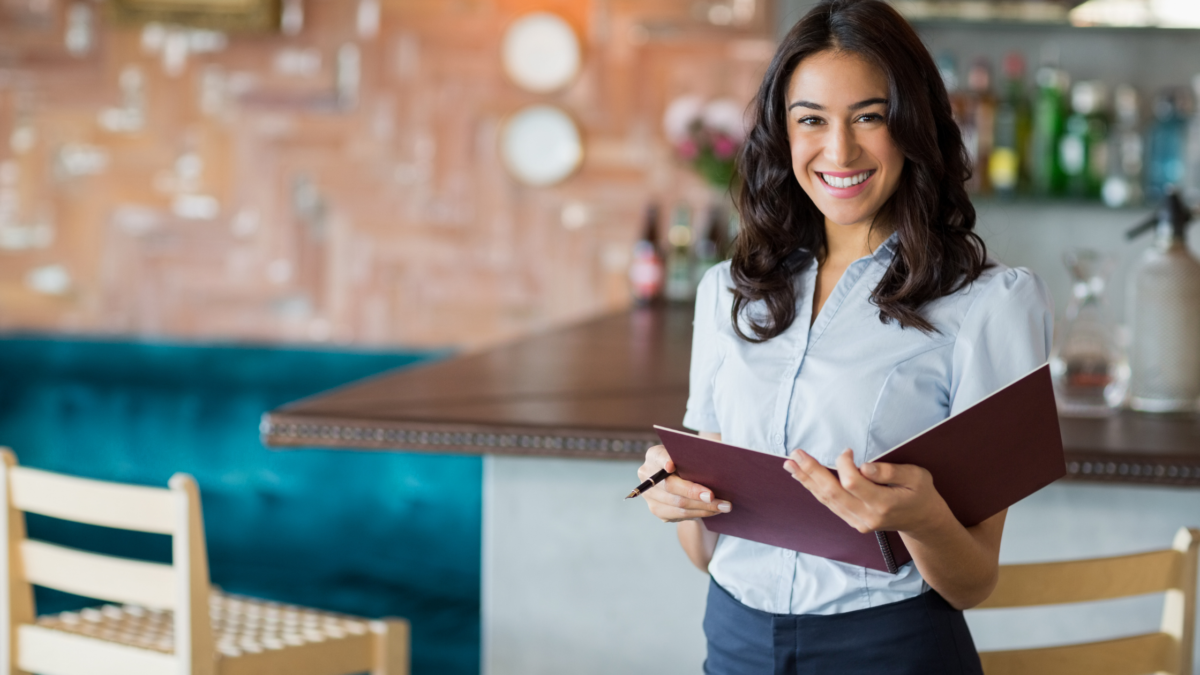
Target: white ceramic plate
{"type": "Point", "coordinates": [540, 145]}
{"type": "Point", "coordinates": [540, 52]}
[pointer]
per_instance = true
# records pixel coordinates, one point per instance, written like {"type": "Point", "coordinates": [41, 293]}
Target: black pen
{"type": "Point", "coordinates": [649, 483]}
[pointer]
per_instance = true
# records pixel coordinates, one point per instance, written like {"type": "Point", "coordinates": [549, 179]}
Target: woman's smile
{"type": "Point", "coordinates": [845, 184]}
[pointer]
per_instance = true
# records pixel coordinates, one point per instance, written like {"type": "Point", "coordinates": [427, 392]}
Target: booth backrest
{"type": "Point", "coordinates": [284, 525]}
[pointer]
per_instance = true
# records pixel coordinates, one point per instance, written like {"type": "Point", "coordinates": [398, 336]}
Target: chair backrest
{"type": "Point", "coordinates": [182, 586]}
{"type": "Point", "coordinates": [1171, 571]}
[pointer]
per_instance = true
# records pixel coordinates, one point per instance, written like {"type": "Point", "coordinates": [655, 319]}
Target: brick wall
{"type": "Point", "coordinates": [240, 199]}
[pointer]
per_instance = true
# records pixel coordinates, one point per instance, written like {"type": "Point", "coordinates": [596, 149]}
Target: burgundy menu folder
{"type": "Point", "coordinates": [983, 460]}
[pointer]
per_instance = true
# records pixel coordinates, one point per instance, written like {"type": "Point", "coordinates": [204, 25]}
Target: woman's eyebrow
{"type": "Point", "coordinates": [869, 102]}
{"type": "Point", "coordinates": [853, 106]}
{"type": "Point", "coordinates": [806, 104]}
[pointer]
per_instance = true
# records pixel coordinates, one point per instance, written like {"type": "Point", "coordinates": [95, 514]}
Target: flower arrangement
{"type": "Point", "coordinates": [707, 135]}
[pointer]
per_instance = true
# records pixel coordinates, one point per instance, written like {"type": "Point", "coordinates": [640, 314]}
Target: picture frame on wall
{"type": "Point", "coordinates": [223, 15]}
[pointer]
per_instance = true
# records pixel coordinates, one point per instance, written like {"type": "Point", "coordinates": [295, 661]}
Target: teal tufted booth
{"type": "Point", "coordinates": [369, 533]}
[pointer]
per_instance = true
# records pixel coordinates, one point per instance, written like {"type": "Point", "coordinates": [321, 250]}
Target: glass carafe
{"type": "Point", "coordinates": [1091, 374]}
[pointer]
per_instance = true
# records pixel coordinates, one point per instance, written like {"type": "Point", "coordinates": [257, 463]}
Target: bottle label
{"type": "Point", "coordinates": [1071, 153]}
{"type": "Point", "coordinates": [1002, 168]}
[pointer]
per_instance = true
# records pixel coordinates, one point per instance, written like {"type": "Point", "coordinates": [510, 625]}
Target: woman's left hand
{"type": "Point", "coordinates": [875, 496]}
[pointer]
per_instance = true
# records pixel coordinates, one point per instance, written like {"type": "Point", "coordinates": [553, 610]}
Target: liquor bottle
{"type": "Point", "coordinates": [1008, 166]}
{"type": "Point", "coordinates": [1191, 185]}
{"type": "Point", "coordinates": [1083, 149]}
{"type": "Point", "coordinates": [1164, 359]}
{"type": "Point", "coordinates": [948, 69]}
{"type": "Point", "coordinates": [980, 122]}
{"type": "Point", "coordinates": [646, 270]}
{"type": "Point", "coordinates": [1049, 117]}
{"type": "Point", "coordinates": [1123, 187]}
{"type": "Point", "coordinates": [710, 249]}
{"type": "Point", "coordinates": [679, 285]}
{"type": "Point", "coordinates": [1165, 143]}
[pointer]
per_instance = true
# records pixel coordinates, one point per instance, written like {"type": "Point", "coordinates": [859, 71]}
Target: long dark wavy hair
{"type": "Point", "coordinates": [938, 252]}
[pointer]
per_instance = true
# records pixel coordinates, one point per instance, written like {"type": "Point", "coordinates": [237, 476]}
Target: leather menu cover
{"type": "Point", "coordinates": [769, 506]}
{"type": "Point", "coordinates": [983, 460]}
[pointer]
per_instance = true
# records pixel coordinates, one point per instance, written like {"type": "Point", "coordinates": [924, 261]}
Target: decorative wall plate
{"type": "Point", "coordinates": [540, 145]}
{"type": "Point", "coordinates": [540, 52]}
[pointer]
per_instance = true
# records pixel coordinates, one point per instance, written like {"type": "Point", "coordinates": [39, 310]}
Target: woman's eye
{"type": "Point", "coordinates": [809, 121]}
{"type": "Point", "coordinates": [871, 117]}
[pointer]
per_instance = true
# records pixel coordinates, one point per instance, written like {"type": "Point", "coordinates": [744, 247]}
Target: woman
{"type": "Point", "coordinates": [859, 308]}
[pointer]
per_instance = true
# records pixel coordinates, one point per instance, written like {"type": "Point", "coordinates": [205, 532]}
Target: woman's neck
{"type": "Point", "coordinates": [846, 243]}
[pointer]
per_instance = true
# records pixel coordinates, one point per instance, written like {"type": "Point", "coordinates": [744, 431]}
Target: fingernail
{"type": "Point", "coordinates": [870, 469]}
{"type": "Point", "coordinates": [706, 496]}
{"type": "Point", "coordinates": [724, 507]}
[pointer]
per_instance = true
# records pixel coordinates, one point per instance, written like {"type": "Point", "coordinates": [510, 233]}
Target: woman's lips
{"type": "Point", "coordinates": [845, 192]}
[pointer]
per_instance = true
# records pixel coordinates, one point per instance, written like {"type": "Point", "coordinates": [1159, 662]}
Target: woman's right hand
{"type": "Point", "coordinates": [675, 499]}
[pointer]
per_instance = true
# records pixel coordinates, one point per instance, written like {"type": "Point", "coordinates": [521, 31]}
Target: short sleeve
{"type": "Point", "coordinates": [701, 414]}
{"type": "Point", "coordinates": [1006, 333]}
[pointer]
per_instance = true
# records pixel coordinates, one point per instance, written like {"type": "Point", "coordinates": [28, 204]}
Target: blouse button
{"type": "Point", "coordinates": [778, 438]}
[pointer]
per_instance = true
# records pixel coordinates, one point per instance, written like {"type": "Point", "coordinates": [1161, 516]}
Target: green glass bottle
{"type": "Point", "coordinates": [1049, 121]}
{"type": "Point", "coordinates": [678, 285]}
{"type": "Point", "coordinates": [1083, 149]}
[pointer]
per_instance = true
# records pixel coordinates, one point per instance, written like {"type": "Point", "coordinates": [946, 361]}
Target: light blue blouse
{"type": "Point", "coordinates": [850, 381]}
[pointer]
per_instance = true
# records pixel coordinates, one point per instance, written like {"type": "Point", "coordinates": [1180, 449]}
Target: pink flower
{"type": "Point", "coordinates": [723, 147]}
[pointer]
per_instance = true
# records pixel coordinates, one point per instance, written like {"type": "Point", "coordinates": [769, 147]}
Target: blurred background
{"type": "Point", "coordinates": [210, 208]}
{"type": "Point", "coordinates": [333, 172]}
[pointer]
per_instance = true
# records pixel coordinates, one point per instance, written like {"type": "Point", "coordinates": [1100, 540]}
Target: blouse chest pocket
{"type": "Point", "coordinates": [914, 396]}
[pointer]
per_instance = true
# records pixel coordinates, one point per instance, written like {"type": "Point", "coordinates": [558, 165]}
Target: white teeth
{"type": "Point", "coordinates": [845, 182]}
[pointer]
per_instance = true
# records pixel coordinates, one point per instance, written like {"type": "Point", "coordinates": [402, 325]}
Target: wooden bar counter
{"type": "Point", "coordinates": [595, 389]}
{"type": "Point", "coordinates": [550, 411]}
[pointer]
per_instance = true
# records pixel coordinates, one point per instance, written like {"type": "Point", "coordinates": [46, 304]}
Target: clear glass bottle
{"type": "Point", "coordinates": [1165, 315]}
{"type": "Point", "coordinates": [1090, 372]}
{"type": "Point", "coordinates": [1123, 187]}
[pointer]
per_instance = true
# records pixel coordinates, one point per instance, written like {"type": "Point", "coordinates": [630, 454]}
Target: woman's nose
{"type": "Point", "coordinates": [842, 148]}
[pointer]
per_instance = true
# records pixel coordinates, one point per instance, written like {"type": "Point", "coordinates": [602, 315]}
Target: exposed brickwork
{"type": "Point", "coordinates": [388, 221]}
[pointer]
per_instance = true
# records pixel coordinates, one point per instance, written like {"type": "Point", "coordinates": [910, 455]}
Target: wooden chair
{"type": "Point", "coordinates": [1172, 571]}
{"type": "Point", "coordinates": [167, 619]}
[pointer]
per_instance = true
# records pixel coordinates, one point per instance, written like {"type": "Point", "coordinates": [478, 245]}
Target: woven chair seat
{"type": "Point", "coordinates": [240, 625]}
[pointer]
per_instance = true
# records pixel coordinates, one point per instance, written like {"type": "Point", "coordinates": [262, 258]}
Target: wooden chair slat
{"type": "Point", "coordinates": [348, 655]}
{"type": "Point", "coordinates": [1138, 655]}
{"type": "Point", "coordinates": [44, 650]}
{"type": "Point", "coordinates": [99, 576]}
{"type": "Point", "coordinates": [1082, 580]}
{"type": "Point", "coordinates": [129, 507]}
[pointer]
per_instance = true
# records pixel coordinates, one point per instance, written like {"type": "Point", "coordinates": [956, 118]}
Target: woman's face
{"type": "Point", "coordinates": [842, 153]}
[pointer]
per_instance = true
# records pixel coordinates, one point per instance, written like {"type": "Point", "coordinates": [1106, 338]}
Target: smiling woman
{"type": "Point", "coordinates": [857, 54]}
{"type": "Point", "coordinates": [855, 218]}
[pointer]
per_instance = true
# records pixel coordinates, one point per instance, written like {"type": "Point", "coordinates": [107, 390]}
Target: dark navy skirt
{"type": "Point", "coordinates": [919, 636]}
